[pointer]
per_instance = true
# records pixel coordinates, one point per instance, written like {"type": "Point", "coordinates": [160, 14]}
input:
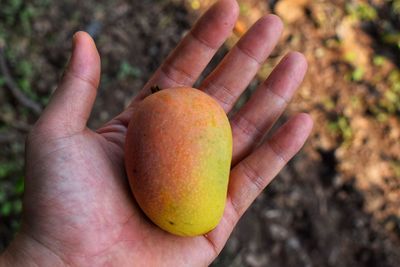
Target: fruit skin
{"type": "Point", "coordinates": [178, 152]}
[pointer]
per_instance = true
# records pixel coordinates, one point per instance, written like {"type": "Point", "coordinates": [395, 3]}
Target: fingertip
{"type": "Point", "coordinates": [304, 122]}
{"type": "Point", "coordinates": [274, 21]}
{"type": "Point", "coordinates": [87, 44]}
{"type": "Point", "coordinates": [298, 58]}
{"type": "Point", "coordinates": [217, 22]}
{"type": "Point", "coordinates": [267, 25]}
{"type": "Point", "coordinates": [236, 9]}
{"type": "Point", "coordinates": [85, 58]}
{"type": "Point", "coordinates": [82, 34]}
{"type": "Point", "coordinates": [229, 5]}
{"type": "Point", "coordinates": [262, 37]}
{"type": "Point", "coordinates": [76, 92]}
{"type": "Point", "coordinates": [300, 126]}
{"type": "Point", "coordinates": [293, 134]}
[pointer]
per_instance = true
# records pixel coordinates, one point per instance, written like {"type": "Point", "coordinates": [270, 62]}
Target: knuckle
{"type": "Point", "coordinates": [277, 150]}
{"type": "Point", "coordinates": [254, 177]}
{"type": "Point", "coordinates": [246, 127]}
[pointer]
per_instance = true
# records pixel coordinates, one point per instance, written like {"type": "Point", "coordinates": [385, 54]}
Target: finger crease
{"type": "Point", "coordinates": [250, 55]}
{"type": "Point", "coordinates": [90, 82]}
{"type": "Point", "coordinates": [49, 248]}
{"type": "Point", "coordinates": [212, 244]}
{"type": "Point", "coordinates": [235, 207]}
{"type": "Point", "coordinates": [168, 70]}
{"type": "Point", "coordinates": [276, 95]}
{"type": "Point", "coordinates": [253, 175]}
{"type": "Point", "coordinates": [277, 150]}
{"type": "Point", "coordinates": [202, 42]}
{"type": "Point", "coordinates": [112, 128]}
{"type": "Point", "coordinates": [118, 121]}
{"type": "Point", "coordinates": [246, 126]}
{"type": "Point", "coordinates": [227, 97]}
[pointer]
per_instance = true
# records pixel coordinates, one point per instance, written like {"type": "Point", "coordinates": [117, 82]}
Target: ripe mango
{"type": "Point", "coordinates": [178, 153]}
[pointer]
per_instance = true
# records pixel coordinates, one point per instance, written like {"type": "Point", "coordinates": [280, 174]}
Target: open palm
{"type": "Point", "coordinates": [78, 208]}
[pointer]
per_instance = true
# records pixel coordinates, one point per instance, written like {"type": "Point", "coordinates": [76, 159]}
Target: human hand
{"type": "Point", "coordinates": [78, 208]}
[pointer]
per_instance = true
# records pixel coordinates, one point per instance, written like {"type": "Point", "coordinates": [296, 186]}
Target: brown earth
{"type": "Point", "coordinates": [336, 204]}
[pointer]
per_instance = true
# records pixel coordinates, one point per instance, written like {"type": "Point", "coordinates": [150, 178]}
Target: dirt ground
{"type": "Point", "coordinates": [335, 204]}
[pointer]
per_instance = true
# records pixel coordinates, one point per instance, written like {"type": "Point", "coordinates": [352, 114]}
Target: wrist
{"type": "Point", "coordinates": [4, 259]}
{"type": "Point", "coordinates": [25, 251]}
{"type": "Point", "coordinates": [12, 255]}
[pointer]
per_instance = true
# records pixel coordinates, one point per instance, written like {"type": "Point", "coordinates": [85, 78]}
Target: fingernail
{"type": "Point", "coordinates": [74, 37]}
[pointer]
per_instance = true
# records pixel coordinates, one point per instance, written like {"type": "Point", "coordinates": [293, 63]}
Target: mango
{"type": "Point", "coordinates": [178, 153]}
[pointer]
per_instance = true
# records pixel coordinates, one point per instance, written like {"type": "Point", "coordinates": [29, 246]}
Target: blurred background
{"type": "Point", "coordinates": [336, 204]}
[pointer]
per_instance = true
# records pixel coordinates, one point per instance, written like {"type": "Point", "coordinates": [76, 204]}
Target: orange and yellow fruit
{"type": "Point", "coordinates": [177, 154]}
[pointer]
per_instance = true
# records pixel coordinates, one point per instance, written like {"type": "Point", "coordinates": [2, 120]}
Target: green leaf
{"type": "Point", "coordinates": [6, 208]}
{"type": "Point", "coordinates": [2, 196]}
{"type": "Point", "coordinates": [6, 168]}
{"type": "Point", "coordinates": [17, 206]}
{"type": "Point", "coordinates": [357, 74]}
{"type": "Point", "coordinates": [362, 11]}
{"type": "Point", "coordinates": [20, 186]}
{"type": "Point", "coordinates": [379, 60]}
{"type": "Point", "coordinates": [127, 70]}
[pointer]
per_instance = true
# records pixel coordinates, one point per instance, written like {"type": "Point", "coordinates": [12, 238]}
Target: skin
{"type": "Point", "coordinates": [178, 161]}
{"type": "Point", "coordinates": [78, 209]}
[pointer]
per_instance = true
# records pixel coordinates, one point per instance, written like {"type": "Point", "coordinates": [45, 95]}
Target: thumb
{"type": "Point", "coordinates": [70, 105]}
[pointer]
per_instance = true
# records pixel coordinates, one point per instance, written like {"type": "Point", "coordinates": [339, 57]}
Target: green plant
{"type": "Point", "coordinates": [350, 57]}
{"type": "Point", "coordinates": [379, 60]}
{"type": "Point", "coordinates": [358, 74]}
{"type": "Point", "coordinates": [10, 9]}
{"type": "Point", "coordinates": [244, 8]}
{"type": "Point", "coordinates": [362, 11]}
{"type": "Point", "coordinates": [396, 6]}
{"type": "Point", "coordinates": [11, 191]}
{"type": "Point", "coordinates": [127, 70]}
{"type": "Point", "coordinates": [328, 103]}
{"type": "Point", "coordinates": [6, 168]}
{"type": "Point", "coordinates": [390, 101]}
{"type": "Point", "coordinates": [341, 126]}
{"type": "Point", "coordinates": [392, 38]}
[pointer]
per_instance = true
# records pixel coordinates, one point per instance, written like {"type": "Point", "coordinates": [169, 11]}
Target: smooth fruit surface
{"type": "Point", "coordinates": [178, 153]}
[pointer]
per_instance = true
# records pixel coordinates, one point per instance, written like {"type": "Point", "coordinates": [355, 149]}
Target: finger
{"type": "Point", "coordinates": [70, 105]}
{"type": "Point", "coordinates": [255, 172]}
{"type": "Point", "coordinates": [190, 57]}
{"type": "Point", "coordinates": [238, 68]}
{"type": "Point", "coordinates": [259, 114]}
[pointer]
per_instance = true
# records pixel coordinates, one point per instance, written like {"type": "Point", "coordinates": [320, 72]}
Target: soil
{"type": "Point", "coordinates": [335, 204]}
